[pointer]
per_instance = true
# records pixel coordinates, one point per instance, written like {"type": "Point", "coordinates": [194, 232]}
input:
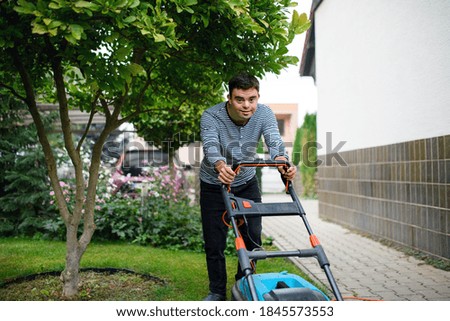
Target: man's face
{"type": "Point", "coordinates": [242, 104]}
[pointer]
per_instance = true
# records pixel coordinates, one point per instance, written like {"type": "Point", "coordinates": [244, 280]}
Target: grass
{"type": "Point", "coordinates": [184, 273]}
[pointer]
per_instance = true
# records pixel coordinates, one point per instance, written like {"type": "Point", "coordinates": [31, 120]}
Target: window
{"type": "Point", "coordinates": [281, 126]}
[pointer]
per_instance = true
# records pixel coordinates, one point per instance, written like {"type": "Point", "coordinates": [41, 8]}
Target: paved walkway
{"type": "Point", "coordinates": [362, 267]}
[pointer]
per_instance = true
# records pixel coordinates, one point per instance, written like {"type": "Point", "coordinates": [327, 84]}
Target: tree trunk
{"type": "Point", "coordinates": [75, 246]}
{"type": "Point", "coordinates": [70, 276]}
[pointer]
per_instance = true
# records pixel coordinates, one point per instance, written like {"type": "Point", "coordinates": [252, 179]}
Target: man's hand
{"type": "Point", "coordinates": [288, 174]}
{"type": "Point", "coordinates": [226, 174]}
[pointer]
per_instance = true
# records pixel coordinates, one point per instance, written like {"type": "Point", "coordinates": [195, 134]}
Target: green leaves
{"type": "Point", "coordinates": [128, 72]}
{"type": "Point", "coordinates": [86, 4]}
{"type": "Point", "coordinates": [123, 53]}
{"type": "Point", "coordinates": [76, 31]}
{"type": "Point", "coordinates": [159, 37]}
{"type": "Point", "coordinates": [170, 55]}
{"type": "Point", "coordinates": [57, 4]}
{"type": "Point", "coordinates": [299, 24]}
{"type": "Point", "coordinates": [185, 5]}
{"type": "Point", "coordinates": [25, 7]}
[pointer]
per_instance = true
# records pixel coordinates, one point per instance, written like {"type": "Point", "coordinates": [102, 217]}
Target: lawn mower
{"type": "Point", "coordinates": [281, 286]}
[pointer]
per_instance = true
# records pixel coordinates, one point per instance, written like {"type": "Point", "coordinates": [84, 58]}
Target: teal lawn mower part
{"type": "Point", "coordinates": [281, 286]}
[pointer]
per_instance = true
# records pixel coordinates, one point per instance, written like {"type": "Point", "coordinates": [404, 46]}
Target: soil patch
{"type": "Point", "coordinates": [96, 285]}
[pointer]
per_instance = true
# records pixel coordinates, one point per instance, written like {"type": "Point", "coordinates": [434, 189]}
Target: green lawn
{"type": "Point", "coordinates": [184, 272]}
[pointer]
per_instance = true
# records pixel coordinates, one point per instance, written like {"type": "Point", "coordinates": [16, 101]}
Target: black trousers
{"type": "Point", "coordinates": [215, 231]}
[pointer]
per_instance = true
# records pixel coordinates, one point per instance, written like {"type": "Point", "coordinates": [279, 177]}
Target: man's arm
{"type": "Point", "coordinates": [211, 147]}
{"type": "Point", "coordinates": [209, 135]}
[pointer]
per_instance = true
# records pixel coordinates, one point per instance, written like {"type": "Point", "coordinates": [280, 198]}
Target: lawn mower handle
{"type": "Point", "coordinates": [261, 163]}
{"type": "Point", "coordinates": [264, 163]}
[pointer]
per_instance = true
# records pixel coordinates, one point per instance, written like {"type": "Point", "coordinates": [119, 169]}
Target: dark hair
{"type": "Point", "coordinates": [243, 81]}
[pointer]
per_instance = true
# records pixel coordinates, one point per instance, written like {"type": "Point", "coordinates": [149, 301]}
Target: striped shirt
{"type": "Point", "coordinates": [224, 140]}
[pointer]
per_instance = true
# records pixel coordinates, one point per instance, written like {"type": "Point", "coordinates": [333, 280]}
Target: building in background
{"type": "Point", "coordinates": [382, 71]}
{"type": "Point", "coordinates": [287, 118]}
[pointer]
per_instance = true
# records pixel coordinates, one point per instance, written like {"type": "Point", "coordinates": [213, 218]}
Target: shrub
{"type": "Point", "coordinates": [305, 154]}
{"type": "Point", "coordinates": [162, 217]}
{"type": "Point", "coordinates": [158, 222]}
{"type": "Point", "coordinates": [24, 194]}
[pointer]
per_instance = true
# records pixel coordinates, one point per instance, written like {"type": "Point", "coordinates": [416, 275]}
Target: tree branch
{"type": "Point", "coordinates": [119, 103]}
{"type": "Point", "coordinates": [136, 113]}
{"type": "Point", "coordinates": [30, 101]}
{"type": "Point", "coordinates": [105, 108]}
{"type": "Point", "coordinates": [58, 76]}
{"type": "Point", "coordinates": [88, 220]}
{"type": "Point", "coordinates": [14, 92]}
{"type": "Point", "coordinates": [88, 126]}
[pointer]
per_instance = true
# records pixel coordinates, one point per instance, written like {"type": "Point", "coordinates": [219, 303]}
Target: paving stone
{"type": "Point", "coordinates": [360, 265]}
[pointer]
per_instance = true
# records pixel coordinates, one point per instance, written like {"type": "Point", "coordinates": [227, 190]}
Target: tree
{"type": "Point", "coordinates": [163, 60]}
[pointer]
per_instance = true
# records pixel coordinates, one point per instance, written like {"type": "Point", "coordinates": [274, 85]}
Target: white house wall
{"type": "Point", "coordinates": [383, 71]}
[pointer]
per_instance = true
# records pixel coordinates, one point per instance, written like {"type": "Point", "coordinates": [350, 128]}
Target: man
{"type": "Point", "coordinates": [230, 132]}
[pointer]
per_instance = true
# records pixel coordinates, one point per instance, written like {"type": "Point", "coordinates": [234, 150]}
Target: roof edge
{"type": "Point", "coordinates": [307, 65]}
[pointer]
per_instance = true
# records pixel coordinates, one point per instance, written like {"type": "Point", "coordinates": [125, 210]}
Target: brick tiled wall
{"type": "Point", "coordinates": [398, 192]}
